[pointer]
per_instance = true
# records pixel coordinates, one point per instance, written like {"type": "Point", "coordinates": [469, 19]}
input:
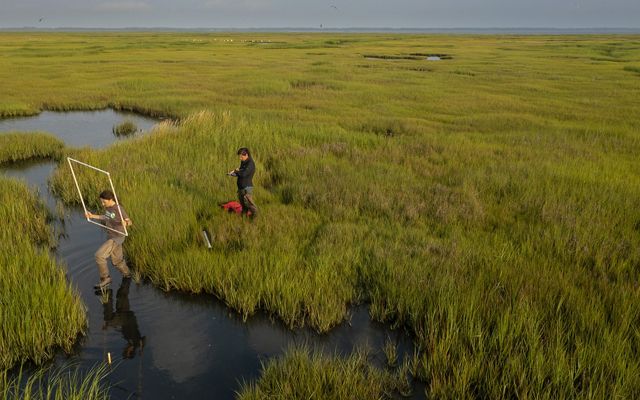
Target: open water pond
{"type": "Point", "coordinates": [78, 128]}
{"type": "Point", "coordinates": [170, 345]}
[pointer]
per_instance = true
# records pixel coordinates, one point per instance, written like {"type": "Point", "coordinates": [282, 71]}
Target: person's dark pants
{"type": "Point", "coordinates": [246, 200]}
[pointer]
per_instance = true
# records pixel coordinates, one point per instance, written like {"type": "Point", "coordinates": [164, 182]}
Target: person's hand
{"type": "Point", "coordinates": [88, 215]}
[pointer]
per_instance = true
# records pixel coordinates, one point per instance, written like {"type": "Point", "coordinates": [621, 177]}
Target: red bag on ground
{"type": "Point", "coordinates": [232, 206]}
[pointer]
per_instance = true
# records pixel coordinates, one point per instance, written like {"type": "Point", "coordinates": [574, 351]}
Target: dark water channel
{"type": "Point", "coordinates": [194, 347]}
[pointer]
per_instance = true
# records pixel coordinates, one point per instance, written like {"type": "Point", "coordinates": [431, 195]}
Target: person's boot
{"type": "Point", "coordinates": [104, 282]}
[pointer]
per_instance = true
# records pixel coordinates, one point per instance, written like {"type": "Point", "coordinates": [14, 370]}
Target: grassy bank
{"type": "Point", "coordinates": [488, 202]}
{"type": "Point", "coordinates": [40, 312]}
{"type": "Point", "coordinates": [319, 376]}
{"type": "Point", "coordinates": [23, 146]}
{"type": "Point", "coordinates": [38, 309]}
{"type": "Point", "coordinates": [56, 384]}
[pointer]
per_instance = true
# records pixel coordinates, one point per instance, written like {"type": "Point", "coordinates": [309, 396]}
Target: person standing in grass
{"type": "Point", "coordinates": [113, 246]}
{"type": "Point", "coordinates": [244, 173]}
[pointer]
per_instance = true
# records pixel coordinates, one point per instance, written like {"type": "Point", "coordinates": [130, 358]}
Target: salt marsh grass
{"type": "Point", "coordinates": [125, 128]}
{"type": "Point", "coordinates": [320, 376]}
{"type": "Point", "coordinates": [22, 146]}
{"type": "Point", "coordinates": [68, 383]}
{"type": "Point", "coordinates": [489, 204]}
{"type": "Point", "coordinates": [40, 312]}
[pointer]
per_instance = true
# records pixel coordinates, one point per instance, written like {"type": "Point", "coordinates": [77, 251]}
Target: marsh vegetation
{"type": "Point", "coordinates": [40, 311]}
{"type": "Point", "coordinates": [499, 223]}
{"type": "Point", "coordinates": [53, 383]}
{"type": "Point", "coordinates": [125, 128]}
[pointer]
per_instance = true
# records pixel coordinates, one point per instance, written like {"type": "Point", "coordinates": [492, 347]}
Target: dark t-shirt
{"type": "Point", "coordinates": [113, 221]}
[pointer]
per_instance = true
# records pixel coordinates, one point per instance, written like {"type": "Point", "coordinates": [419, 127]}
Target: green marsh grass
{"type": "Point", "coordinates": [39, 310]}
{"type": "Point", "coordinates": [125, 128]}
{"type": "Point", "coordinates": [56, 383]}
{"type": "Point", "coordinates": [319, 376]}
{"type": "Point", "coordinates": [22, 146]}
{"type": "Point", "coordinates": [498, 222]}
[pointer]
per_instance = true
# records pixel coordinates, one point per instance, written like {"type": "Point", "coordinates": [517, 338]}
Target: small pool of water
{"type": "Point", "coordinates": [170, 345]}
{"type": "Point", "coordinates": [78, 128]}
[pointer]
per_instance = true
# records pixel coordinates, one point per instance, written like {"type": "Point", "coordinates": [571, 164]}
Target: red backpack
{"type": "Point", "coordinates": [233, 206]}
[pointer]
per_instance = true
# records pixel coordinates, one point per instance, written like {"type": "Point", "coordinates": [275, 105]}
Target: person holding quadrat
{"type": "Point", "coordinates": [113, 218]}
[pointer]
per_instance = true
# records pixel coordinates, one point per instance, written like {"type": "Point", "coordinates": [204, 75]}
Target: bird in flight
{"type": "Point", "coordinates": [41, 19]}
{"type": "Point", "coordinates": [332, 6]}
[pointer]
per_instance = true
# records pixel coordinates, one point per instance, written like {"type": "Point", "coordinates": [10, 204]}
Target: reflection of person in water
{"type": "Point", "coordinates": [124, 319]}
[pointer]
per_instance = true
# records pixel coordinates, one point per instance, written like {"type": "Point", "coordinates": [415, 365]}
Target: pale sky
{"type": "Point", "coordinates": [313, 13]}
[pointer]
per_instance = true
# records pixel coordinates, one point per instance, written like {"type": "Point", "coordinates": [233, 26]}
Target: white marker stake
{"type": "Point", "coordinates": [206, 238]}
{"type": "Point", "coordinates": [124, 225]}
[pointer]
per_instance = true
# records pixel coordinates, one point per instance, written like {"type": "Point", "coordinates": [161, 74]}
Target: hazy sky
{"type": "Point", "coordinates": [313, 13]}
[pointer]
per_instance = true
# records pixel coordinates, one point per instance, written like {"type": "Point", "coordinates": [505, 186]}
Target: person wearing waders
{"type": "Point", "coordinates": [113, 246]}
{"type": "Point", "coordinates": [244, 173]}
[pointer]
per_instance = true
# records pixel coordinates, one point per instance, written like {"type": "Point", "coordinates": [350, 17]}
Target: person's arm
{"type": "Point", "coordinates": [125, 217]}
{"type": "Point", "coordinates": [247, 170]}
{"type": "Point", "coordinates": [94, 216]}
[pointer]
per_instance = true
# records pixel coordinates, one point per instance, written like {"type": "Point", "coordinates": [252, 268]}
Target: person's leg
{"type": "Point", "coordinates": [242, 200]}
{"type": "Point", "coordinates": [101, 258]}
{"type": "Point", "coordinates": [117, 258]}
{"type": "Point", "coordinates": [251, 205]}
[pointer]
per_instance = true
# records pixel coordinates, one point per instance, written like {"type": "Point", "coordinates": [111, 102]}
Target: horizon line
{"type": "Point", "coordinates": [323, 29]}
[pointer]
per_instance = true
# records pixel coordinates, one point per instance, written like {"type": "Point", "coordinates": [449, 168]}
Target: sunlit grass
{"type": "Point", "coordinates": [55, 383]}
{"type": "Point", "coordinates": [39, 311]}
{"type": "Point", "coordinates": [319, 376]}
{"type": "Point", "coordinates": [22, 146]}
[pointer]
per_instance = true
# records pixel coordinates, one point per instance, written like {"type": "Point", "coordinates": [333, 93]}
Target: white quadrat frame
{"type": "Point", "coordinates": [71, 161]}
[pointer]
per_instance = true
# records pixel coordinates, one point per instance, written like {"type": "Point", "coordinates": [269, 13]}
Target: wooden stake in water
{"type": "Point", "coordinates": [109, 358]}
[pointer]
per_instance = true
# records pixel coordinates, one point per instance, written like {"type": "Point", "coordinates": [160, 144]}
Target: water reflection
{"type": "Point", "coordinates": [122, 318]}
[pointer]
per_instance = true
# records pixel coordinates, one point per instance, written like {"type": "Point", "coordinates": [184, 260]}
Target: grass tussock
{"type": "Point", "coordinates": [319, 376]}
{"type": "Point", "coordinates": [22, 146]}
{"type": "Point", "coordinates": [55, 383]}
{"type": "Point", "coordinates": [125, 128]}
